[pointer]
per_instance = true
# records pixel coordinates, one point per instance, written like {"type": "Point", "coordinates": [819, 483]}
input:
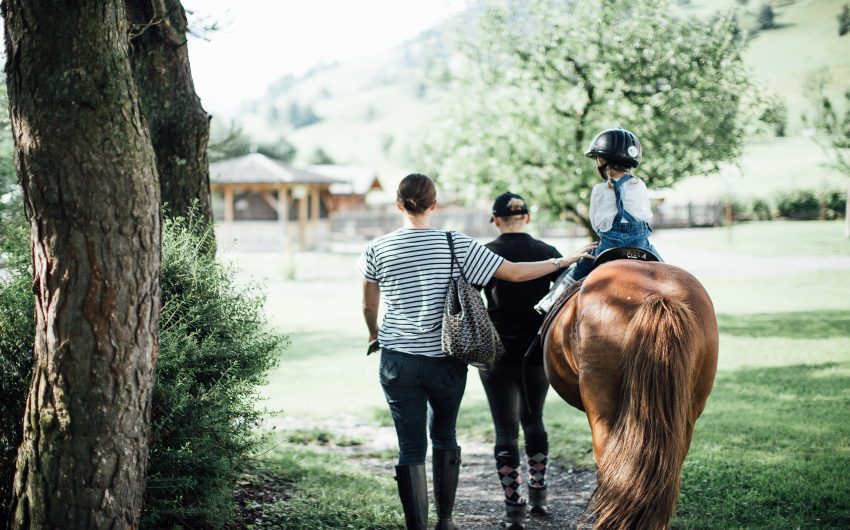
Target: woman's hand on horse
{"type": "Point", "coordinates": [582, 253]}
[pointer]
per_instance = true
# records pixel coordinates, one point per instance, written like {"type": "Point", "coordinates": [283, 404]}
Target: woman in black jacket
{"type": "Point", "coordinates": [511, 308]}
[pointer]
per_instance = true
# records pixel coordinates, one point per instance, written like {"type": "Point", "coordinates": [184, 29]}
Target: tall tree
{"type": "Point", "coordinates": [536, 80]}
{"type": "Point", "coordinates": [179, 125]}
{"type": "Point", "coordinates": [834, 128]}
{"type": "Point", "coordinates": [91, 193]}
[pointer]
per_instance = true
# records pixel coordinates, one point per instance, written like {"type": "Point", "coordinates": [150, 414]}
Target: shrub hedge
{"type": "Point", "coordinates": [215, 350]}
{"type": "Point", "coordinates": [802, 205]}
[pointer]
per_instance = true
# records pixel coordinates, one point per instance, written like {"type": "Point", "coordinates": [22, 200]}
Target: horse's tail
{"type": "Point", "coordinates": [640, 467]}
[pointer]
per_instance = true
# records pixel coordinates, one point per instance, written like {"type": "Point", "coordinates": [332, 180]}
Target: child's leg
{"type": "Point", "coordinates": [560, 285]}
{"type": "Point", "coordinates": [569, 277]}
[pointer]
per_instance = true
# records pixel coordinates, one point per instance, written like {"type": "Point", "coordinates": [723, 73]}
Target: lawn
{"type": "Point", "coordinates": [772, 449]}
{"type": "Point", "coordinates": [777, 238]}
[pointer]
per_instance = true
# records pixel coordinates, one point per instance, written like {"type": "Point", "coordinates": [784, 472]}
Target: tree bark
{"type": "Point", "coordinates": [179, 125]}
{"type": "Point", "coordinates": [91, 192]}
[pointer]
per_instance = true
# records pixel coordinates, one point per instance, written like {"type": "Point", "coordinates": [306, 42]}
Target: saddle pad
{"type": "Point", "coordinates": [556, 308]}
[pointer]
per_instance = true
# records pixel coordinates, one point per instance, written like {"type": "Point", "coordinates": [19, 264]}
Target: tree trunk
{"type": "Point", "coordinates": [583, 220]}
{"type": "Point", "coordinates": [91, 192]}
{"type": "Point", "coordinates": [847, 214]}
{"type": "Point", "coordinates": [179, 125]}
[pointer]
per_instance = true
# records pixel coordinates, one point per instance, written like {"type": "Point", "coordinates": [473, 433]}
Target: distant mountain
{"type": "Point", "coordinates": [367, 113]}
{"type": "Point", "coordinates": [359, 113]}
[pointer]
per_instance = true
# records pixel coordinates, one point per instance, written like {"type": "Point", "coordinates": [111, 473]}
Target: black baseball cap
{"type": "Point", "coordinates": [508, 204]}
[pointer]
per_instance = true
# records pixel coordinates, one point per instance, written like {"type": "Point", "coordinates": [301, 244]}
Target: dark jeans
{"type": "Point", "coordinates": [503, 385]}
{"type": "Point", "coordinates": [422, 390]}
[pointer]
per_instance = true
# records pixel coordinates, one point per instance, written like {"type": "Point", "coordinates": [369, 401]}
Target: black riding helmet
{"type": "Point", "coordinates": [618, 146]}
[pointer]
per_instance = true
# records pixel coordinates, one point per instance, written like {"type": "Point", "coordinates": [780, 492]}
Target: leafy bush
{"type": "Point", "coordinates": [834, 204]}
{"type": "Point", "coordinates": [799, 204]}
{"type": "Point", "coordinates": [807, 204]}
{"type": "Point", "coordinates": [760, 210]}
{"type": "Point", "coordinates": [775, 115]}
{"type": "Point", "coordinates": [215, 349]}
{"type": "Point", "coordinates": [17, 336]}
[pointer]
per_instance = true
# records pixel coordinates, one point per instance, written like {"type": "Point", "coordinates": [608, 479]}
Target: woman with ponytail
{"type": "Point", "coordinates": [410, 269]}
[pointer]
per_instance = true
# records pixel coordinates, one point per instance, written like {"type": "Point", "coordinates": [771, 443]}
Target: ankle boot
{"type": "Point", "coordinates": [514, 516]}
{"type": "Point", "coordinates": [446, 467]}
{"type": "Point", "coordinates": [413, 491]}
{"type": "Point", "coordinates": [537, 501]}
{"type": "Point", "coordinates": [537, 449]}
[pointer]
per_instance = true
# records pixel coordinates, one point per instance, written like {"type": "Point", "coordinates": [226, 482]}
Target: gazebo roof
{"type": "Point", "coordinates": [353, 180]}
{"type": "Point", "coordinates": [255, 168]}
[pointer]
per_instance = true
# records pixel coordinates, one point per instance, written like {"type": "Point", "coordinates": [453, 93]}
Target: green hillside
{"type": "Point", "coordinates": [804, 41]}
{"type": "Point", "coordinates": [370, 113]}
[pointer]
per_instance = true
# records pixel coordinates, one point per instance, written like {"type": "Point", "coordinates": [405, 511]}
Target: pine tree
{"type": "Point", "coordinates": [88, 174]}
{"type": "Point", "coordinates": [766, 17]}
{"type": "Point", "coordinates": [844, 21]}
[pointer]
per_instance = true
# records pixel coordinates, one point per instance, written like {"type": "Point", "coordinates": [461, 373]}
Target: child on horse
{"type": "Point", "coordinates": [619, 207]}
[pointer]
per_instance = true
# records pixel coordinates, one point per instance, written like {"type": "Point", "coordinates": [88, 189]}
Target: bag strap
{"type": "Point", "coordinates": [454, 258]}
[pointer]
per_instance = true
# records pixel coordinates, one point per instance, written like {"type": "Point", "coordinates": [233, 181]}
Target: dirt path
{"type": "Point", "coordinates": [480, 502]}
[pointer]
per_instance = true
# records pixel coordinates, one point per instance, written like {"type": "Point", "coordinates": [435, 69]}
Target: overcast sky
{"type": "Point", "coordinates": [261, 40]}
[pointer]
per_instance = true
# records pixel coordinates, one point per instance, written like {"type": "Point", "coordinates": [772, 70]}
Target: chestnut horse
{"type": "Point", "coordinates": [635, 349]}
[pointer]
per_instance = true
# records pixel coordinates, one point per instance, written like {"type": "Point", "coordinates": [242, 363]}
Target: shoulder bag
{"type": "Point", "coordinates": [468, 333]}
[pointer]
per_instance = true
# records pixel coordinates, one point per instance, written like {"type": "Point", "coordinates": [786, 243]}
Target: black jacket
{"type": "Point", "coordinates": [510, 304]}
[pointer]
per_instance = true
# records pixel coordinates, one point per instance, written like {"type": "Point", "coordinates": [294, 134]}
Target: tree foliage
{"type": "Point", "coordinates": [320, 156]}
{"type": "Point", "coordinates": [832, 124]}
{"type": "Point", "coordinates": [17, 330]}
{"type": "Point", "coordinates": [844, 20]}
{"type": "Point", "coordinates": [281, 150]}
{"type": "Point", "coordinates": [833, 127]}
{"type": "Point", "coordinates": [766, 17]}
{"type": "Point", "coordinates": [535, 81]}
{"type": "Point", "coordinates": [11, 205]}
{"type": "Point", "coordinates": [229, 141]}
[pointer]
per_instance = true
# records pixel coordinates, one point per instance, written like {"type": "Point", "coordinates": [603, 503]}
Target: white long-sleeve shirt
{"type": "Point", "coordinates": [603, 203]}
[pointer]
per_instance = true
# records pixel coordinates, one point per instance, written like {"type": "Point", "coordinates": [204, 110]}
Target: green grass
{"type": "Point", "coordinates": [322, 491]}
{"type": "Point", "coordinates": [774, 238]}
{"type": "Point", "coordinates": [772, 449]}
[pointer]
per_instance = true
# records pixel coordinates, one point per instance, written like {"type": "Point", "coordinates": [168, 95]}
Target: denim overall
{"type": "Point", "coordinates": [631, 233]}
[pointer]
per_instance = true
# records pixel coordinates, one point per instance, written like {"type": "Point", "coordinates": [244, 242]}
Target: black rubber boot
{"type": "Point", "coordinates": [537, 501]}
{"type": "Point", "coordinates": [514, 516]}
{"type": "Point", "coordinates": [537, 451]}
{"type": "Point", "coordinates": [446, 469]}
{"type": "Point", "coordinates": [413, 491]}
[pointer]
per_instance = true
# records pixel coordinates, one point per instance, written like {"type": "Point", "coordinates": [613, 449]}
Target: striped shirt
{"type": "Point", "coordinates": [411, 267]}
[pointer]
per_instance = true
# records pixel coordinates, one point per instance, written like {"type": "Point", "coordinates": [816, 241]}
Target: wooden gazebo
{"type": "Point", "coordinates": [265, 201]}
{"type": "Point", "coordinates": [355, 183]}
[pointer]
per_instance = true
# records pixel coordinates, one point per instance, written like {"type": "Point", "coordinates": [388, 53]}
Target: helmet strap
{"type": "Point", "coordinates": [601, 170]}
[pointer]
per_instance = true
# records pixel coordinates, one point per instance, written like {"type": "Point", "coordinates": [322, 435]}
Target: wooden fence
{"type": "Point", "coordinates": [368, 224]}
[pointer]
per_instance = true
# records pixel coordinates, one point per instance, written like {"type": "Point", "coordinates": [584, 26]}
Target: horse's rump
{"type": "Point", "coordinates": [643, 341]}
